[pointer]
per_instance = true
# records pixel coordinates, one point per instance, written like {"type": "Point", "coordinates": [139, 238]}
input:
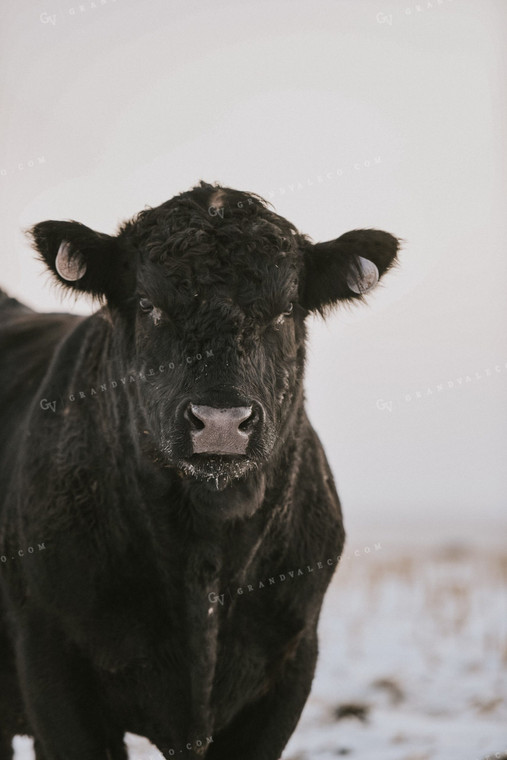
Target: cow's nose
{"type": "Point", "coordinates": [219, 430]}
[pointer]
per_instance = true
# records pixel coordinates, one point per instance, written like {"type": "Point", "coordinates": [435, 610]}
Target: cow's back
{"type": "Point", "coordinates": [27, 344]}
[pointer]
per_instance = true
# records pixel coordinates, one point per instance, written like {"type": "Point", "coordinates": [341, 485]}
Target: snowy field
{"type": "Point", "coordinates": [413, 660]}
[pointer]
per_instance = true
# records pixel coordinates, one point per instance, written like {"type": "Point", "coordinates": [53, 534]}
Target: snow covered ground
{"type": "Point", "coordinates": [413, 660]}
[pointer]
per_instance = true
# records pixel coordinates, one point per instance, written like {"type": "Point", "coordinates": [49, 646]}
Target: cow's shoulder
{"type": "Point", "coordinates": [305, 535]}
{"type": "Point", "coordinates": [28, 341]}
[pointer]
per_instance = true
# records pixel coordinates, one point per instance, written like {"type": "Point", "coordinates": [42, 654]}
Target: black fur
{"type": "Point", "coordinates": [129, 618]}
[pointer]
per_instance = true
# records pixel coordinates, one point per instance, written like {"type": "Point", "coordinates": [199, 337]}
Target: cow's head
{"type": "Point", "coordinates": [215, 287]}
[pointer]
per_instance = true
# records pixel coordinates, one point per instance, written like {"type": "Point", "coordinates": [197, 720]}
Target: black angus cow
{"type": "Point", "coordinates": [156, 458]}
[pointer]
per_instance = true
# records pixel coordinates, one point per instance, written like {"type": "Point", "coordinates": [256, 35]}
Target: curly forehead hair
{"type": "Point", "coordinates": [210, 218]}
{"type": "Point", "coordinates": [216, 242]}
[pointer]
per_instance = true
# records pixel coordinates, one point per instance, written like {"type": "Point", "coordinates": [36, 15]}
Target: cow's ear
{"type": "Point", "coordinates": [346, 268]}
{"type": "Point", "coordinates": [80, 258]}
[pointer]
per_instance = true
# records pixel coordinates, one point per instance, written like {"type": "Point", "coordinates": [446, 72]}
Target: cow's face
{"type": "Point", "coordinates": [212, 289]}
{"type": "Point", "coordinates": [217, 296]}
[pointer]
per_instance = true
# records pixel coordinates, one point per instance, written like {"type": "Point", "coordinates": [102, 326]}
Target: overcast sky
{"type": "Point", "coordinates": [344, 115]}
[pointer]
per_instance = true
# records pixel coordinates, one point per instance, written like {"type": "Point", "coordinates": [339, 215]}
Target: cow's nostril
{"type": "Point", "coordinates": [195, 422]}
{"type": "Point", "coordinates": [250, 422]}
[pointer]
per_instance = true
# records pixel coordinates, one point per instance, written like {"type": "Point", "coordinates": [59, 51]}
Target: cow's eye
{"type": "Point", "coordinates": [280, 319]}
{"type": "Point", "coordinates": [145, 305]}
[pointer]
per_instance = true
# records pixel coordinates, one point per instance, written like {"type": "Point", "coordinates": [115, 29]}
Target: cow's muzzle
{"type": "Point", "coordinates": [221, 430]}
